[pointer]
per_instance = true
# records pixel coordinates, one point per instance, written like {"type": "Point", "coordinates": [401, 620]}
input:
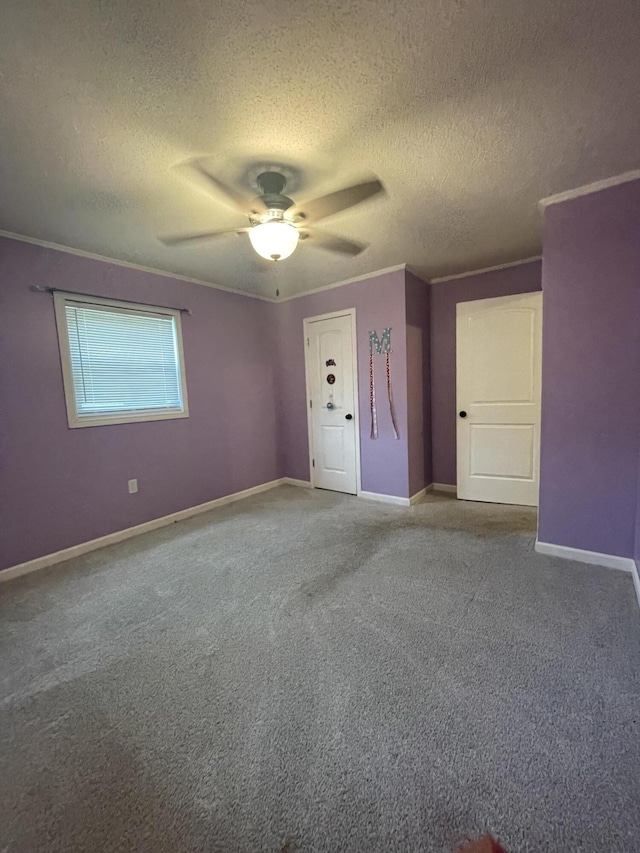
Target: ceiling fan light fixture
{"type": "Point", "coordinates": [274, 240]}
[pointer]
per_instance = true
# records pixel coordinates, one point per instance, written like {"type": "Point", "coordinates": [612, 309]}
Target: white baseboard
{"type": "Point", "coordinates": [291, 481]}
{"type": "Point", "coordinates": [414, 499]}
{"type": "Point", "coordinates": [635, 574]}
{"type": "Point", "coordinates": [120, 535]}
{"type": "Point", "coordinates": [385, 499]}
{"type": "Point", "coordinates": [609, 561]}
{"type": "Point", "coordinates": [394, 499]}
{"type": "Point", "coordinates": [445, 487]}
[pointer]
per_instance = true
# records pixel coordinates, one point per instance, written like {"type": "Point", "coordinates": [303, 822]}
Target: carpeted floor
{"type": "Point", "coordinates": [306, 671]}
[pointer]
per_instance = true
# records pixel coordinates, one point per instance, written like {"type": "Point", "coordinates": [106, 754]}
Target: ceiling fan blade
{"type": "Point", "coordinates": [328, 205]}
{"type": "Point", "coordinates": [241, 201]}
{"type": "Point", "coordinates": [333, 243]}
{"type": "Point", "coordinates": [174, 239]}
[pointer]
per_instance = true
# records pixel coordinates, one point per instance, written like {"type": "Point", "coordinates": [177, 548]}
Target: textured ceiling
{"type": "Point", "coordinates": [468, 111]}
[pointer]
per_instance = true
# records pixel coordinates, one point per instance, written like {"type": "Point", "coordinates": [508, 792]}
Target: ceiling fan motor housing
{"type": "Point", "coordinates": [272, 185]}
{"type": "Point", "coordinates": [277, 222]}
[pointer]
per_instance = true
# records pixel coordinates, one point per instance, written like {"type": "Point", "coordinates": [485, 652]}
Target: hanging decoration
{"type": "Point", "coordinates": [392, 409]}
{"type": "Point", "coordinates": [380, 346]}
{"type": "Point", "coordinates": [372, 391]}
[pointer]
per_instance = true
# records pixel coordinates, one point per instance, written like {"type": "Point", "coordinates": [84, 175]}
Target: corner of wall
{"type": "Point", "coordinates": [590, 443]}
{"type": "Point", "coordinates": [418, 344]}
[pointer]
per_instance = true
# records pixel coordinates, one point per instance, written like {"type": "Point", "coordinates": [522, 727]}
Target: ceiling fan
{"type": "Point", "coordinates": [276, 222]}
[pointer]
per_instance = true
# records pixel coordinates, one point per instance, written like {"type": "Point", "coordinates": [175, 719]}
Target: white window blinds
{"type": "Point", "coordinates": [123, 362]}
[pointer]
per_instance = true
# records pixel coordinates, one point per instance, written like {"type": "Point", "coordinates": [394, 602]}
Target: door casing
{"type": "Point", "coordinates": [486, 305]}
{"type": "Point", "coordinates": [348, 312]}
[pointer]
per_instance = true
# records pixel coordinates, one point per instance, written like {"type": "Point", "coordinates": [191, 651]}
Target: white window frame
{"type": "Point", "coordinates": [60, 299]}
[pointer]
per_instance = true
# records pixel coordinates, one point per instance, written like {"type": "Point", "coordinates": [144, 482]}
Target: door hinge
{"type": "Point", "coordinates": [311, 404]}
{"type": "Point", "coordinates": [307, 341]}
{"type": "Point", "coordinates": [313, 463]}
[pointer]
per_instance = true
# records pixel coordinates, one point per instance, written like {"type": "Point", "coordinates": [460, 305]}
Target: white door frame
{"type": "Point", "coordinates": [460, 307]}
{"type": "Point", "coordinates": [348, 312]}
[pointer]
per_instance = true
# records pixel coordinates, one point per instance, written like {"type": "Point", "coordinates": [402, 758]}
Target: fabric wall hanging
{"type": "Point", "coordinates": [380, 346]}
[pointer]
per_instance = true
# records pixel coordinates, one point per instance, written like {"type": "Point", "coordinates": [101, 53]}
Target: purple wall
{"type": "Point", "coordinates": [591, 372]}
{"type": "Point", "coordinates": [444, 298]}
{"type": "Point", "coordinates": [418, 383]}
{"type": "Point", "coordinates": [58, 486]}
{"type": "Point", "coordinates": [379, 302]}
{"type": "Point", "coordinates": [245, 376]}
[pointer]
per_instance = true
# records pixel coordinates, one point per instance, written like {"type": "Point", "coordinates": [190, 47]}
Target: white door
{"type": "Point", "coordinates": [331, 389]}
{"type": "Point", "coordinates": [499, 356]}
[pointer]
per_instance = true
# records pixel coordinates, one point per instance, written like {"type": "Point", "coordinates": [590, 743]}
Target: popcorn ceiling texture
{"type": "Point", "coordinates": [469, 113]}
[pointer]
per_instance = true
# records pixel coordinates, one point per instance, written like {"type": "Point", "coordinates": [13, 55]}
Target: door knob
{"type": "Point", "coordinates": [348, 417]}
{"type": "Point", "coordinates": [463, 414]}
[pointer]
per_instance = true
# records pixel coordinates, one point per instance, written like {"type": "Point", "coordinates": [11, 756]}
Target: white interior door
{"type": "Point", "coordinates": [331, 388]}
{"type": "Point", "coordinates": [499, 356]}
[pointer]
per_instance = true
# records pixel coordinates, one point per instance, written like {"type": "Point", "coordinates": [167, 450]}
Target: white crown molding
{"type": "Point", "coordinates": [45, 244]}
{"type": "Point", "coordinates": [81, 253]}
{"type": "Point", "coordinates": [324, 287]}
{"type": "Point", "coordinates": [22, 238]}
{"type": "Point", "coordinates": [587, 189]}
{"type": "Point", "coordinates": [120, 535]}
{"type": "Point", "coordinates": [595, 558]}
{"type": "Point", "coordinates": [530, 260]}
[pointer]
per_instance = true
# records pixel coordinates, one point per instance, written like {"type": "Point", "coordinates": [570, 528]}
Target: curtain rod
{"type": "Point", "coordinates": [39, 289]}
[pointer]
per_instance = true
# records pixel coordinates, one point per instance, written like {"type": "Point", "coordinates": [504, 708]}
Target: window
{"type": "Point", "coordinates": [121, 362]}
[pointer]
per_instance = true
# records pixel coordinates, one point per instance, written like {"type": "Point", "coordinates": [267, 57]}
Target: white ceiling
{"type": "Point", "coordinates": [469, 112]}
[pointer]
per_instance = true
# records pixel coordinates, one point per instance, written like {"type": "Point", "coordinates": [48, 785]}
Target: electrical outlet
{"type": "Point", "coordinates": [133, 487]}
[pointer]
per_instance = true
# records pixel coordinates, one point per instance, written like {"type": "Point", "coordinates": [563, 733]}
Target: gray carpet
{"type": "Point", "coordinates": [305, 671]}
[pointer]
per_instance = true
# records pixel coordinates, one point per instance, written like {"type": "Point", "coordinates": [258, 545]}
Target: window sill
{"type": "Point", "coordinates": [79, 421]}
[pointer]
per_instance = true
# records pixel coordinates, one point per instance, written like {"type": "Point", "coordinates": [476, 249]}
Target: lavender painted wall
{"type": "Point", "coordinates": [591, 372]}
{"type": "Point", "coordinates": [418, 383]}
{"type": "Point", "coordinates": [59, 487]}
{"type": "Point", "coordinates": [445, 295]}
{"type": "Point", "coordinates": [379, 302]}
